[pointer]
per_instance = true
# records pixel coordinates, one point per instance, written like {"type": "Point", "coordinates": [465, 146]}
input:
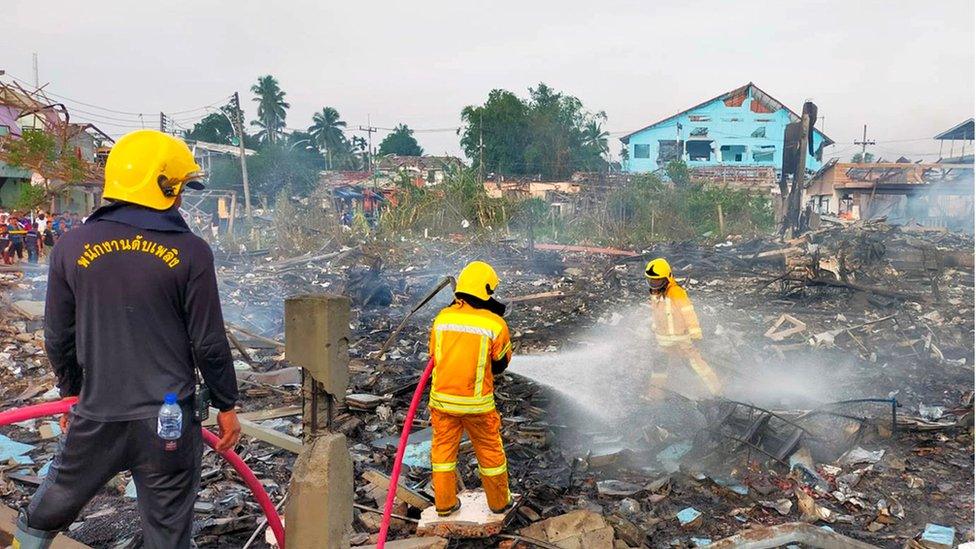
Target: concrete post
{"type": "Point", "coordinates": [319, 511]}
{"type": "Point", "coordinates": [317, 340]}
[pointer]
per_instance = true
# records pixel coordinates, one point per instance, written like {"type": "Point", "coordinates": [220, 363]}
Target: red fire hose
{"type": "Point", "coordinates": [62, 406]}
{"type": "Point", "coordinates": [398, 461]}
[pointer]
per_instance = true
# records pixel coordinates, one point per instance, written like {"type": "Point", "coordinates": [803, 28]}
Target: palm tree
{"type": "Point", "coordinates": [271, 108]}
{"type": "Point", "coordinates": [357, 152]}
{"type": "Point", "coordinates": [326, 130]}
{"type": "Point", "coordinates": [595, 138]}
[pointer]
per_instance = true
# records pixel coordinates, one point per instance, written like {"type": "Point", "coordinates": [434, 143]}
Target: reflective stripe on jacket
{"type": "Point", "coordinates": [464, 341]}
{"type": "Point", "coordinates": [673, 316]}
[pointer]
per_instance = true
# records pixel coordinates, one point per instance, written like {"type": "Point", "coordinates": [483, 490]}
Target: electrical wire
{"type": "Point", "coordinates": [44, 92]}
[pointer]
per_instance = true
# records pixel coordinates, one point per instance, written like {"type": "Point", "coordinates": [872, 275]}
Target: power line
{"type": "Point", "coordinates": [114, 124]}
{"type": "Point", "coordinates": [106, 109]}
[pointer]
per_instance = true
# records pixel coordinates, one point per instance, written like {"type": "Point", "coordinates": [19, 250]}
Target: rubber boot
{"type": "Point", "coordinates": [509, 505]}
{"type": "Point", "coordinates": [451, 511]}
{"type": "Point", "coordinates": [31, 538]}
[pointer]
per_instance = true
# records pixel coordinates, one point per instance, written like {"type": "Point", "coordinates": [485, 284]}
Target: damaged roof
{"type": "Point", "coordinates": [962, 130]}
{"type": "Point", "coordinates": [766, 99]}
{"type": "Point", "coordinates": [426, 162]}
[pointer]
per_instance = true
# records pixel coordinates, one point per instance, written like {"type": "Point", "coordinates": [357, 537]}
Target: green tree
{"type": "Point", "coordinates": [225, 172]}
{"type": "Point", "coordinates": [214, 128]}
{"type": "Point", "coordinates": [272, 109]}
{"type": "Point", "coordinates": [327, 131]}
{"type": "Point", "coordinates": [52, 156]}
{"type": "Point", "coordinates": [497, 132]}
{"type": "Point", "coordinates": [291, 166]}
{"type": "Point", "coordinates": [550, 134]}
{"type": "Point", "coordinates": [400, 142]}
{"type": "Point", "coordinates": [556, 140]}
{"type": "Point", "coordinates": [677, 172]}
{"type": "Point", "coordinates": [858, 159]}
{"type": "Point", "coordinates": [596, 148]}
{"type": "Point", "coordinates": [356, 155]}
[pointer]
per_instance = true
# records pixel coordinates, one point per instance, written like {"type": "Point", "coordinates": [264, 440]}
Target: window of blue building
{"type": "Point", "coordinates": [642, 151]}
{"type": "Point", "coordinates": [733, 153]}
{"type": "Point", "coordinates": [759, 132]}
{"type": "Point", "coordinates": [763, 153]}
{"type": "Point", "coordinates": [668, 150]}
{"type": "Point", "coordinates": [699, 150]}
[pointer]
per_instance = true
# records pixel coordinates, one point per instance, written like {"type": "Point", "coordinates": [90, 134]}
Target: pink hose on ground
{"type": "Point", "coordinates": [398, 460]}
{"type": "Point", "coordinates": [38, 410]}
{"type": "Point", "coordinates": [257, 490]}
{"type": "Point", "coordinates": [63, 406]}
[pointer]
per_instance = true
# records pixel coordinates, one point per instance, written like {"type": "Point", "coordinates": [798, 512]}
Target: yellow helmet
{"type": "Point", "coordinates": [657, 269]}
{"type": "Point", "coordinates": [477, 279]}
{"type": "Point", "coordinates": [150, 168]}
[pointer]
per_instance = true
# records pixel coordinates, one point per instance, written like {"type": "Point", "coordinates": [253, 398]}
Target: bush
{"type": "Point", "coordinates": [444, 208]}
{"type": "Point", "coordinates": [649, 209]}
{"type": "Point", "coordinates": [30, 197]}
{"type": "Point", "coordinates": [641, 211]}
{"type": "Point", "coordinates": [301, 228]}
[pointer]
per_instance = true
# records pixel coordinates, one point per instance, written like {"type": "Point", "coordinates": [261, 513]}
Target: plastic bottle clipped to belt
{"type": "Point", "coordinates": [169, 426]}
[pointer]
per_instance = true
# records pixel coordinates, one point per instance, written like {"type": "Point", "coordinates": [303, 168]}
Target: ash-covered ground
{"type": "Point", "coordinates": [886, 314]}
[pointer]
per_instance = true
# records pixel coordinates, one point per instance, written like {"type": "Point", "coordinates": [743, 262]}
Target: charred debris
{"type": "Point", "coordinates": [878, 318]}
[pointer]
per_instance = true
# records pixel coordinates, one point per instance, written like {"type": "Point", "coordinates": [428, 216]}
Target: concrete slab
{"type": "Point", "coordinates": [31, 310]}
{"type": "Point", "coordinates": [473, 520]}
{"type": "Point", "coordinates": [291, 375]}
{"type": "Point", "coordinates": [580, 529]}
{"type": "Point", "coordinates": [426, 542]}
{"type": "Point", "coordinates": [8, 525]}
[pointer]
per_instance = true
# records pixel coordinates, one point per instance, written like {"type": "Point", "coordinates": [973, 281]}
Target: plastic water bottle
{"type": "Point", "coordinates": [170, 423]}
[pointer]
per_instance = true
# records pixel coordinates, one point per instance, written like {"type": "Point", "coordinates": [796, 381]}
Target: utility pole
{"type": "Point", "coordinates": [792, 220]}
{"type": "Point", "coordinates": [239, 129]}
{"type": "Point", "coordinates": [369, 129]}
{"type": "Point", "coordinates": [678, 146]}
{"type": "Point", "coordinates": [864, 144]}
{"type": "Point", "coordinates": [37, 81]}
{"type": "Point", "coordinates": [481, 148]}
{"type": "Point", "coordinates": [369, 150]}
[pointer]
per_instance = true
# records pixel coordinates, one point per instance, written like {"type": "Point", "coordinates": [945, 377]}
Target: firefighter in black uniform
{"type": "Point", "coordinates": [132, 313]}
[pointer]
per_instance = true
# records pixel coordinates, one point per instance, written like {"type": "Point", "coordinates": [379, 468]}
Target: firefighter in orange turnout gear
{"type": "Point", "coordinates": [470, 345]}
{"type": "Point", "coordinates": [676, 325]}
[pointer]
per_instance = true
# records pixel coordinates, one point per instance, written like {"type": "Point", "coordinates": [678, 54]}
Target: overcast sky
{"type": "Point", "coordinates": [904, 67]}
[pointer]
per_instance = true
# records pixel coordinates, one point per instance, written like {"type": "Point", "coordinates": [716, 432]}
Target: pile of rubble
{"type": "Point", "coordinates": [868, 312]}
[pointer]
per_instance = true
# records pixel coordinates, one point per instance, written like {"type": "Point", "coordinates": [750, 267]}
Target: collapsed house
{"type": "Point", "coordinates": [929, 194]}
{"type": "Point", "coordinates": [24, 111]}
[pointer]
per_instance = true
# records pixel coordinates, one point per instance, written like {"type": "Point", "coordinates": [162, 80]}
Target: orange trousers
{"type": "Point", "coordinates": [689, 354]}
{"type": "Point", "coordinates": [484, 430]}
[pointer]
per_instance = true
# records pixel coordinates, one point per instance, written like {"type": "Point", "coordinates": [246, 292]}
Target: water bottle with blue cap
{"type": "Point", "coordinates": [170, 423]}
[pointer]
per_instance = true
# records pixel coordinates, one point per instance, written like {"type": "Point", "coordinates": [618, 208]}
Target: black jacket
{"type": "Point", "coordinates": [132, 306]}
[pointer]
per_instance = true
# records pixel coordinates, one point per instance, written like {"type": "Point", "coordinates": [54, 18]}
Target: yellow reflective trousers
{"type": "Point", "coordinates": [484, 430]}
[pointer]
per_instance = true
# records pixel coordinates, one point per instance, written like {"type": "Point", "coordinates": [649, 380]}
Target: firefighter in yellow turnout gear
{"type": "Point", "coordinates": [470, 345]}
{"type": "Point", "coordinates": [675, 325]}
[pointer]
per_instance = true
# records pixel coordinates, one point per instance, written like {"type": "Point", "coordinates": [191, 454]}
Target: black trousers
{"type": "Point", "coordinates": [166, 475]}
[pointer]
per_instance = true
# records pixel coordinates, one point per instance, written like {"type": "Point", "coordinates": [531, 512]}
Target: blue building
{"type": "Point", "coordinates": [743, 127]}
